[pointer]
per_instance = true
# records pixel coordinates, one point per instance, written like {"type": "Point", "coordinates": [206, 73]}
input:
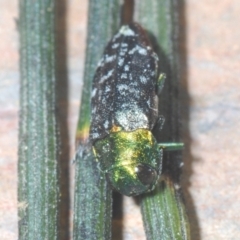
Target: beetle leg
{"type": "Point", "coordinates": [82, 150]}
{"type": "Point", "coordinates": [160, 82]}
{"type": "Point", "coordinates": [173, 146]}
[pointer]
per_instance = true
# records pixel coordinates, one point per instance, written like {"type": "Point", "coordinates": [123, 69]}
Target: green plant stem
{"type": "Point", "coordinates": [92, 200]}
{"type": "Point", "coordinates": [163, 211]}
{"type": "Point", "coordinates": [93, 195]}
{"type": "Point", "coordinates": [38, 187]}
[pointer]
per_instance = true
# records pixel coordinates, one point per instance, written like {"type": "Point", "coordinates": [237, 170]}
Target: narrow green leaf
{"type": "Point", "coordinates": [93, 195]}
{"type": "Point", "coordinates": [93, 199]}
{"type": "Point", "coordinates": [164, 214]}
{"type": "Point", "coordinates": [38, 187]}
{"type": "Point", "coordinates": [163, 211]}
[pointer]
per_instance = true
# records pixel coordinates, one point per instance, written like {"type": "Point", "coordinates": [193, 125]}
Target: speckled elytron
{"type": "Point", "coordinates": [124, 112]}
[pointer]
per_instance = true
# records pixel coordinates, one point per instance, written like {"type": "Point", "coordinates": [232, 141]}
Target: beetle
{"type": "Point", "coordinates": [124, 111]}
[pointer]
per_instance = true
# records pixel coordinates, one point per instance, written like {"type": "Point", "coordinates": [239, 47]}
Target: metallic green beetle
{"type": "Point", "coordinates": [124, 110]}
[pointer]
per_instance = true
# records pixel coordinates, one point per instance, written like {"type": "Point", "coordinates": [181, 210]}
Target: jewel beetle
{"type": "Point", "coordinates": [124, 110]}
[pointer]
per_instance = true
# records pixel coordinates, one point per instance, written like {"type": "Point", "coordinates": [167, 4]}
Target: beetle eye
{"type": "Point", "coordinates": [146, 174]}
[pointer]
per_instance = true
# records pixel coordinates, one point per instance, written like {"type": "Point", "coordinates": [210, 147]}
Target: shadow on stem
{"type": "Point", "coordinates": [62, 111]}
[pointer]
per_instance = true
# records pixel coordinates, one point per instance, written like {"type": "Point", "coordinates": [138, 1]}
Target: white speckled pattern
{"type": "Point", "coordinates": [124, 86]}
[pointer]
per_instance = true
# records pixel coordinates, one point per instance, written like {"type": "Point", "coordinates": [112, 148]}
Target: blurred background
{"type": "Point", "coordinates": [211, 131]}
